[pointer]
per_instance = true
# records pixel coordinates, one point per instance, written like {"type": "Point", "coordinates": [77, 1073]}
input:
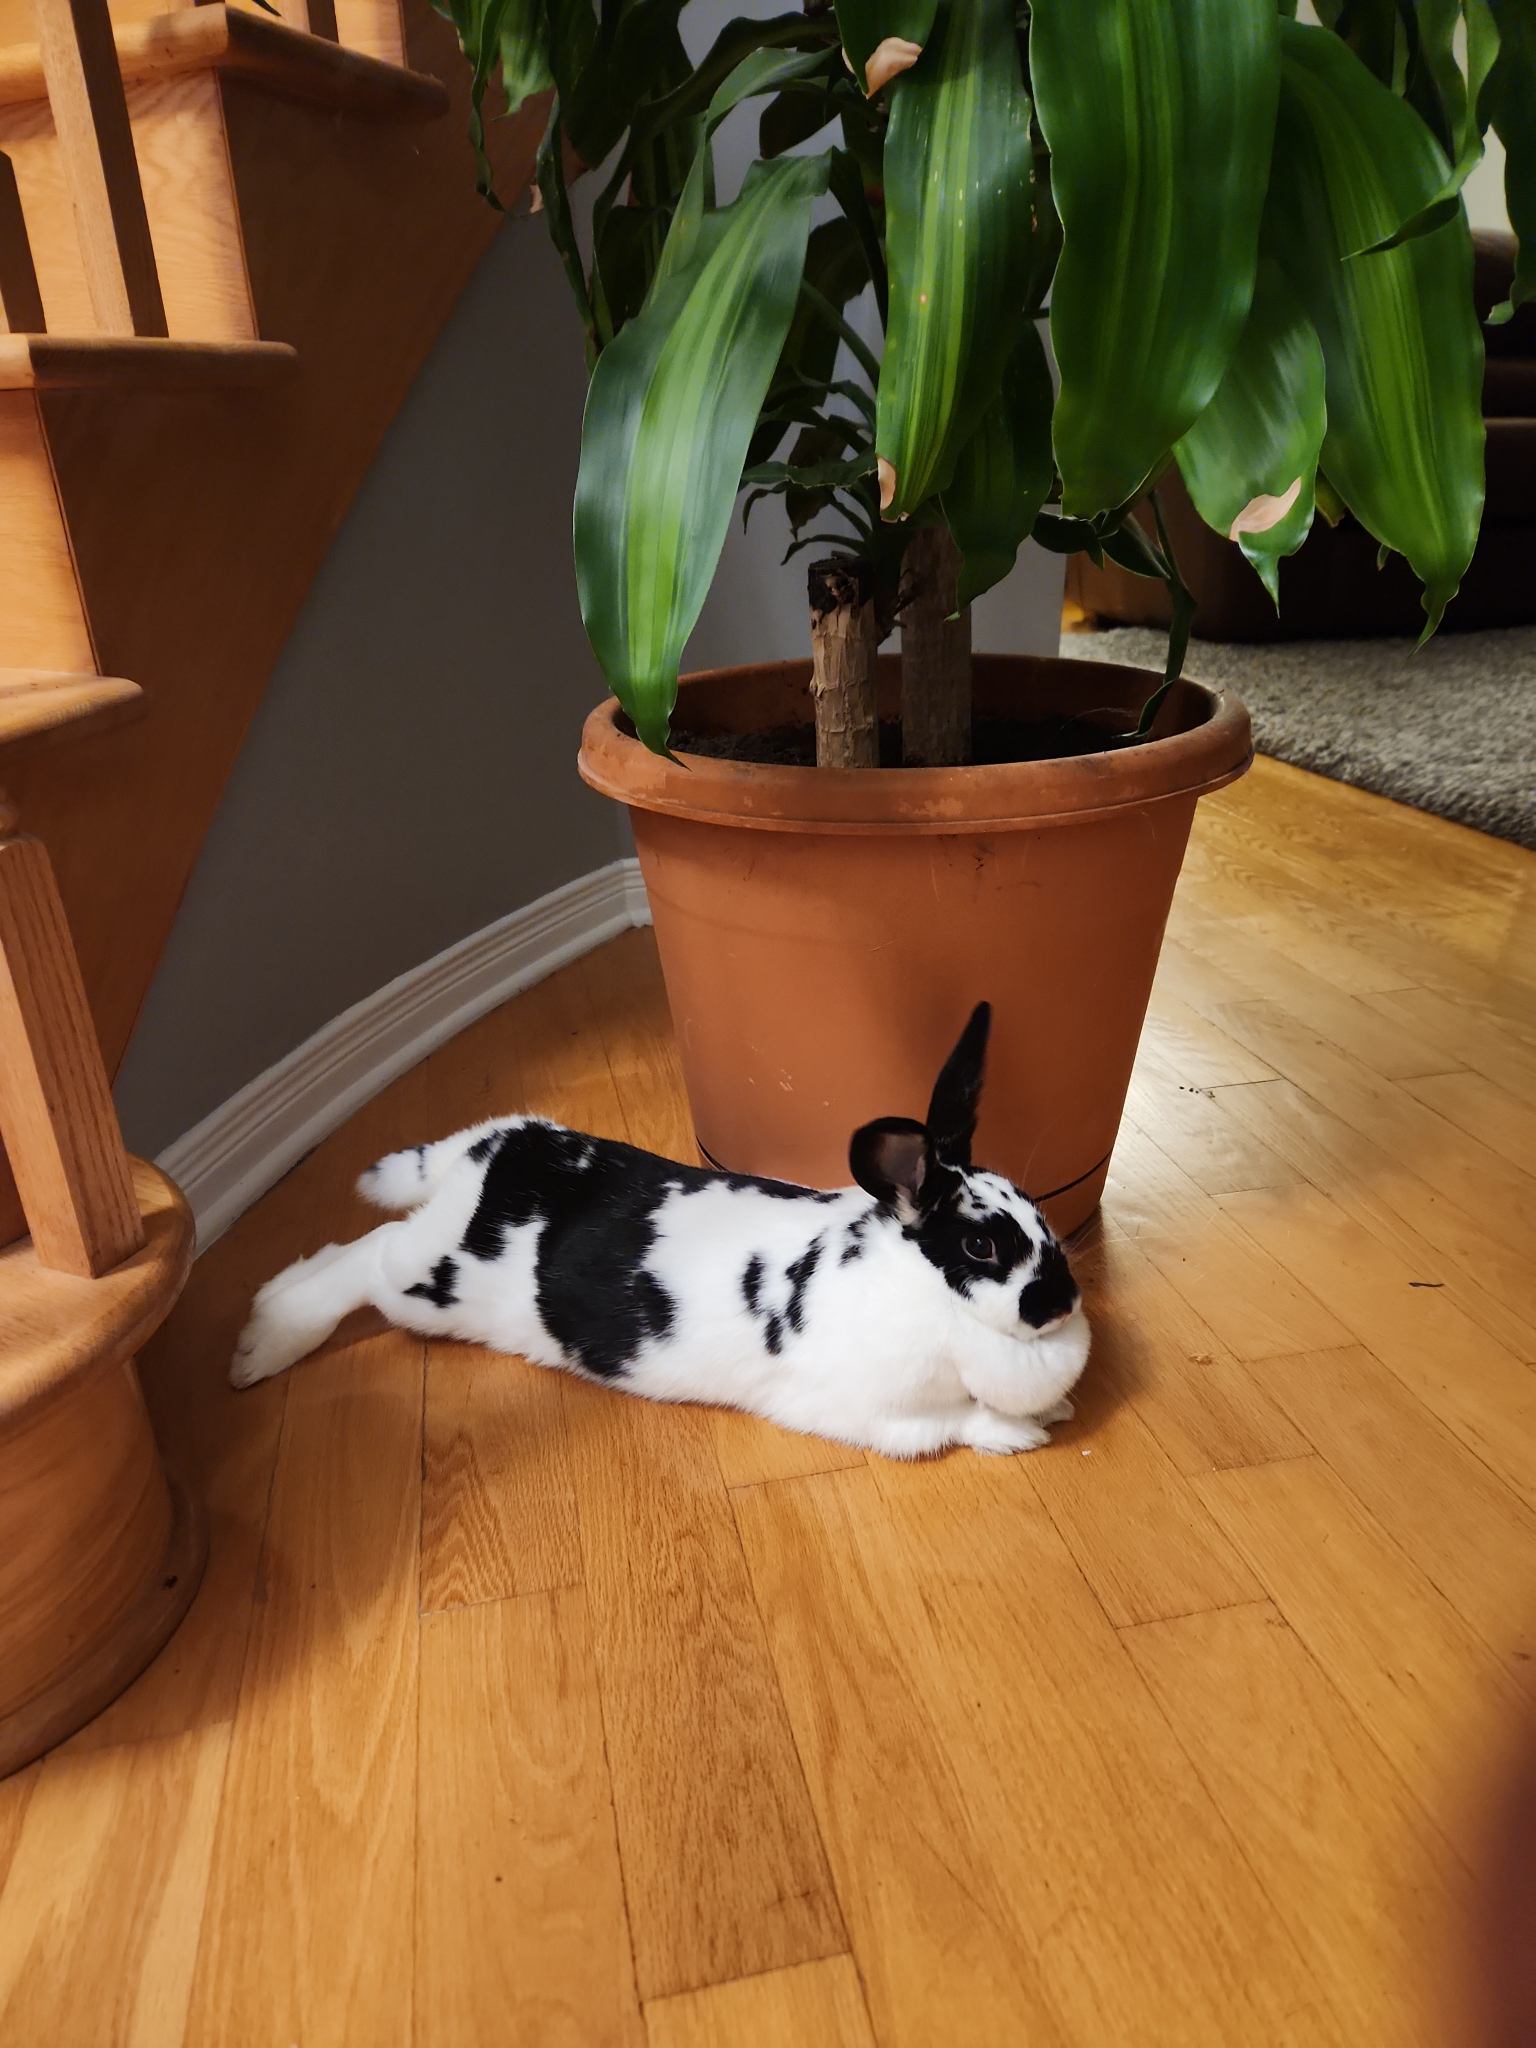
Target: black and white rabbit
{"type": "Point", "coordinates": [928, 1306]}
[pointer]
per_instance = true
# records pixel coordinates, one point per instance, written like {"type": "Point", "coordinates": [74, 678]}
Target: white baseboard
{"type": "Point", "coordinates": [239, 1150]}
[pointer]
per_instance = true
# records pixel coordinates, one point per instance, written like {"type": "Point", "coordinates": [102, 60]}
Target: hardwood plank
{"type": "Point", "coordinates": [749, 1449]}
{"type": "Point", "coordinates": [1436, 1700]}
{"type": "Point", "coordinates": [1464, 1528]}
{"type": "Point", "coordinates": [723, 1865]}
{"type": "Point", "coordinates": [1257, 1307]}
{"type": "Point", "coordinates": [1211, 965]}
{"type": "Point", "coordinates": [1482, 1109]}
{"type": "Point", "coordinates": [1495, 1286]}
{"type": "Point", "coordinates": [1359, 1879]}
{"type": "Point", "coordinates": [498, 1516]}
{"type": "Point", "coordinates": [1218, 1152]}
{"type": "Point", "coordinates": [119, 1842]}
{"type": "Point", "coordinates": [924, 1877]}
{"type": "Point", "coordinates": [1497, 1196]}
{"type": "Point", "coordinates": [1141, 1538]}
{"type": "Point", "coordinates": [319, 1807]}
{"type": "Point", "coordinates": [1203, 1406]}
{"type": "Point", "coordinates": [897, 1601]}
{"type": "Point", "coordinates": [816, 2002]}
{"type": "Point", "coordinates": [1484, 1395]}
{"type": "Point", "coordinates": [1183, 1047]}
{"type": "Point", "coordinates": [520, 1925]}
{"type": "Point", "coordinates": [1467, 1034]}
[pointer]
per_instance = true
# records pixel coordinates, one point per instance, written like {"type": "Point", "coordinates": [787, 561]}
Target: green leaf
{"type": "Point", "coordinates": [763, 71]}
{"type": "Point", "coordinates": [957, 244]}
{"type": "Point", "coordinates": [1256, 445]}
{"type": "Point", "coordinates": [794, 116]}
{"type": "Point", "coordinates": [1437, 86]}
{"type": "Point", "coordinates": [1004, 471]}
{"type": "Point", "coordinates": [1511, 100]}
{"type": "Point", "coordinates": [1329, 503]}
{"type": "Point", "coordinates": [1159, 115]}
{"type": "Point", "coordinates": [1401, 346]}
{"type": "Point", "coordinates": [522, 54]}
{"type": "Point", "coordinates": [670, 411]}
{"type": "Point", "coordinates": [865, 24]}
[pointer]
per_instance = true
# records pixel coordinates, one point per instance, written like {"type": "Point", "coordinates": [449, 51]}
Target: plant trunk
{"type": "Point", "coordinates": [843, 663]}
{"type": "Point", "coordinates": [935, 654]}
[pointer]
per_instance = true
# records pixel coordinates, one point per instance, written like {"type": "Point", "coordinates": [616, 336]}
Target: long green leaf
{"type": "Point", "coordinates": [1512, 106]}
{"type": "Point", "coordinates": [1453, 103]}
{"type": "Point", "coordinates": [1159, 115]}
{"type": "Point", "coordinates": [957, 244]}
{"type": "Point", "coordinates": [1250, 460]}
{"type": "Point", "coordinates": [763, 71]}
{"type": "Point", "coordinates": [523, 52]}
{"type": "Point", "coordinates": [1004, 472]}
{"type": "Point", "coordinates": [865, 24]}
{"type": "Point", "coordinates": [1401, 346]}
{"type": "Point", "coordinates": [670, 411]}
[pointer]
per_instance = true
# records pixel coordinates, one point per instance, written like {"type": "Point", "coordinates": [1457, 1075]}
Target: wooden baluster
{"type": "Point", "coordinates": [20, 300]}
{"type": "Point", "coordinates": [90, 113]}
{"type": "Point", "coordinates": [56, 1114]}
{"type": "Point", "coordinates": [322, 19]}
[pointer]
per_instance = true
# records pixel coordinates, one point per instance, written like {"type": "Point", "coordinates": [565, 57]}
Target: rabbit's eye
{"type": "Point", "coordinates": [978, 1247]}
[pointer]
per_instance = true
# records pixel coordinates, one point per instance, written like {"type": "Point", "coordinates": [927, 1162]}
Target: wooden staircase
{"type": "Point", "coordinates": [226, 245]}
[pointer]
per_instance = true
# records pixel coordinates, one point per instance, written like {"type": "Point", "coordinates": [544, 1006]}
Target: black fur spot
{"type": "Point", "coordinates": [751, 1282]}
{"type": "Point", "coordinates": [534, 1170]}
{"type": "Point", "coordinates": [853, 1239]}
{"type": "Point", "coordinates": [941, 1231]}
{"type": "Point", "coordinates": [440, 1289]}
{"type": "Point", "coordinates": [482, 1148]}
{"type": "Point", "coordinates": [1052, 1292]}
{"type": "Point", "coordinates": [799, 1277]}
{"type": "Point", "coordinates": [773, 1335]}
{"type": "Point", "coordinates": [421, 1161]}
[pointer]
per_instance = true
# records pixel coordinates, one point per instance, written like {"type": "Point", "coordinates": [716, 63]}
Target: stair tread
{"type": "Point", "coordinates": [35, 703]}
{"type": "Point", "coordinates": [246, 45]}
{"type": "Point", "coordinates": [75, 362]}
{"type": "Point", "coordinates": [52, 1325]}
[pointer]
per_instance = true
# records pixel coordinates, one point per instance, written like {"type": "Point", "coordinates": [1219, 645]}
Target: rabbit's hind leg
{"type": "Point", "coordinates": [302, 1305]}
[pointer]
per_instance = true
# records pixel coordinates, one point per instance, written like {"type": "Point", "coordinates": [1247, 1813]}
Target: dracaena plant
{"type": "Point", "coordinates": [1247, 233]}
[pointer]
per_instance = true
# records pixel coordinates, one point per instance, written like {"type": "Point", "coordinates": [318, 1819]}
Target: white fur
{"type": "Point", "coordinates": [888, 1355]}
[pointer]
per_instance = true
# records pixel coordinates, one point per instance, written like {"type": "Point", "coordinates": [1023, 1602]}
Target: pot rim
{"type": "Point", "coordinates": [1016, 795]}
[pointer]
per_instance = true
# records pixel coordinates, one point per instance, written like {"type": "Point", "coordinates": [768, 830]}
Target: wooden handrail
{"type": "Point", "coordinates": [20, 299]}
{"type": "Point", "coordinates": [90, 113]}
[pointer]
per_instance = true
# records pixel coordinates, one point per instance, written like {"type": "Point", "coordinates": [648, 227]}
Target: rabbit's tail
{"type": "Point", "coordinates": [404, 1180]}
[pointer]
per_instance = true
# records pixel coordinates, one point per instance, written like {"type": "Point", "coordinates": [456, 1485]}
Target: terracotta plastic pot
{"type": "Point", "coordinates": [824, 933]}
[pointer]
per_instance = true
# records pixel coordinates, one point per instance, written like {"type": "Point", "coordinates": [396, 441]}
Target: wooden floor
{"type": "Point", "coordinates": [514, 1711]}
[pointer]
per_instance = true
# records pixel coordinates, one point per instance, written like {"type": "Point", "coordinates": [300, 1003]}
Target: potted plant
{"type": "Point", "coordinates": [1248, 238]}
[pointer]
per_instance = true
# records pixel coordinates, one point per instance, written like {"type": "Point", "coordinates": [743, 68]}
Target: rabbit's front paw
{"type": "Point", "coordinates": [999, 1436]}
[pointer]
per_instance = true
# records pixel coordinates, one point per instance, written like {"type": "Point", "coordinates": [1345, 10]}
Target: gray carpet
{"type": "Point", "coordinates": [1450, 729]}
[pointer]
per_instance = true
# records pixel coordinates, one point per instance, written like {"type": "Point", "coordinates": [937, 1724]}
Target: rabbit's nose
{"type": "Point", "coordinates": [1051, 1296]}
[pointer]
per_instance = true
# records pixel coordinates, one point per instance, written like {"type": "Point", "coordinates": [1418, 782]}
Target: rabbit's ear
{"type": "Point", "coordinates": [891, 1159]}
{"type": "Point", "coordinates": [956, 1093]}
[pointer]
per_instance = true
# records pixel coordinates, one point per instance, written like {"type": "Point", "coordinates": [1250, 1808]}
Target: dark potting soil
{"type": "Point", "coordinates": [994, 741]}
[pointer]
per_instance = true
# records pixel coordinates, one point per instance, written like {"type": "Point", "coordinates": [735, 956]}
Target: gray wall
{"type": "Point", "coordinates": [410, 776]}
